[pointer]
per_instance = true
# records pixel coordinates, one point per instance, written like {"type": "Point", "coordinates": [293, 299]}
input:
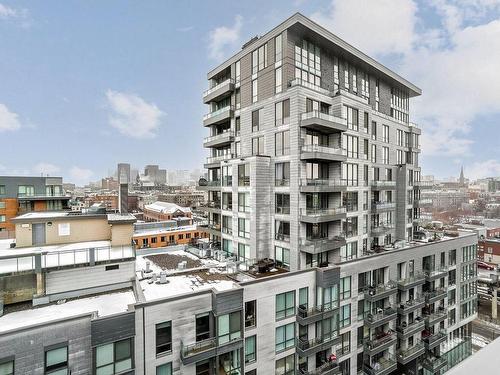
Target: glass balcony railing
{"type": "Point", "coordinates": [218, 112]}
{"type": "Point", "coordinates": [313, 211]}
{"type": "Point", "coordinates": [417, 278]}
{"type": "Point", "coordinates": [218, 86]}
{"type": "Point", "coordinates": [215, 137]}
{"type": "Point", "coordinates": [406, 354]}
{"type": "Point", "coordinates": [219, 158]}
{"type": "Point", "coordinates": [383, 366]}
{"type": "Point", "coordinates": [198, 347]}
{"type": "Point", "coordinates": [324, 149]}
{"type": "Point", "coordinates": [300, 82]}
{"type": "Point", "coordinates": [323, 182]}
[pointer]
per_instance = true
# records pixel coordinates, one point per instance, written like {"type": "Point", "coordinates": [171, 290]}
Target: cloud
{"type": "Point", "coordinates": [482, 169]}
{"type": "Point", "coordinates": [7, 12]}
{"type": "Point", "coordinates": [223, 38]}
{"type": "Point", "coordinates": [79, 175]}
{"type": "Point", "coordinates": [9, 121]}
{"type": "Point", "coordinates": [18, 15]}
{"type": "Point", "coordinates": [46, 168]}
{"type": "Point", "coordinates": [454, 60]}
{"type": "Point", "coordinates": [132, 116]}
{"type": "Point", "coordinates": [375, 27]}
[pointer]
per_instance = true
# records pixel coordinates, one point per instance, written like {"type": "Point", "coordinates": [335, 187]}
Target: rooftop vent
{"type": "Point", "coordinates": [256, 37]}
{"type": "Point", "coordinates": [148, 267]}
{"type": "Point", "coordinates": [182, 265]}
{"type": "Point", "coordinates": [163, 278]}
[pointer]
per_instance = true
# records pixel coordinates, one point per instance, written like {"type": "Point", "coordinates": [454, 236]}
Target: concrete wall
{"type": "Point", "coordinates": [121, 234]}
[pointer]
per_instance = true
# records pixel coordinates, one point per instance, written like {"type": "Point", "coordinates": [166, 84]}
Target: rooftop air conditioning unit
{"type": "Point", "coordinates": [148, 267]}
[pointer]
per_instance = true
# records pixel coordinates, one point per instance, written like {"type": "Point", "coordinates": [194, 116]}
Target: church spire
{"type": "Point", "coordinates": [461, 180]}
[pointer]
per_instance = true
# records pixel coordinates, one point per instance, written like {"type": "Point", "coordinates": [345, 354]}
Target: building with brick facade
{"type": "Point", "coordinates": [163, 211]}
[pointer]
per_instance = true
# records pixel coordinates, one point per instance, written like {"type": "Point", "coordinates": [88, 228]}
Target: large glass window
{"type": "Point", "coordinates": [285, 337]}
{"type": "Point", "coordinates": [286, 365]}
{"type": "Point", "coordinates": [256, 120]}
{"type": "Point", "coordinates": [243, 227]}
{"type": "Point", "coordinates": [250, 314]}
{"type": "Point", "coordinates": [308, 63]}
{"type": "Point", "coordinates": [243, 202]}
{"type": "Point", "coordinates": [282, 257]}
{"type": "Point", "coordinates": [26, 190]}
{"type": "Point", "coordinates": [278, 85]}
{"type": "Point", "coordinates": [282, 230]}
{"type": "Point", "coordinates": [244, 175]}
{"type": "Point", "coordinates": [6, 367]}
{"type": "Point", "coordinates": [255, 91]}
{"type": "Point", "coordinates": [56, 361]}
{"type": "Point", "coordinates": [229, 327]}
{"type": "Point", "coordinates": [285, 304]}
{"type": "Point", "coordinates": [282, 143]}
{"type": "Point", "coordinates": [345, 316]}
{"type": "Point", "coordinates": [282, 174]}
{"type": "Point", "coordinates": [327, 298]}
{"type": "Point", "coordinates": [351, 114]}
{"type": "Point", "coordinates": [258, 146]}
{"type": "Point", "coordinates": [282, 203]}
{"type": "Point", "coordinates": [165, 369]}
{"type": "Point", "coordinates": [345, 287]}
{"type": "Point", "coordinates": [282, 112]}
{"type": "Point", "coordinates": [114, 358]}
{"type": "Point", "coordinates": [250, 349]}
{"type": "Point", "coordinates": [163, 337]}
{"type": "Point", "coordinates": [278, 49]}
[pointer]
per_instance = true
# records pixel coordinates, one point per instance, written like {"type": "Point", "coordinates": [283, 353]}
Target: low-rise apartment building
{"type": "Point", "coordinates": [162, 211]}
{"type": "Point", "coordinates": [167, 233]}
{"type": "Point", "coordinates": [20, 194]}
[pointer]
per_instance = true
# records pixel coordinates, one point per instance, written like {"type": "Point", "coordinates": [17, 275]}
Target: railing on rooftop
{"type": "Point", "coordinates": [52, 259]}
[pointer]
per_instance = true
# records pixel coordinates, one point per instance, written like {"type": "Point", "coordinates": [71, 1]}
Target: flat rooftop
{"type": "Point", "coordinates": [159, 231]}
{"type": "Point", "coordinates": [102, 305]}
{"type": "Point", "coordinates": [58, 215]}
{"type": "Point", "coordinates": [199, 273]}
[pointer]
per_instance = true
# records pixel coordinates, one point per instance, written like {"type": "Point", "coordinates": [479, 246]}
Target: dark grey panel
{"type": "Point", "coordinates": [227, 301]}
{"type": "Point", "coordinates": [112, 328]}
{"type": "Point", "coordinates": [326, 277]}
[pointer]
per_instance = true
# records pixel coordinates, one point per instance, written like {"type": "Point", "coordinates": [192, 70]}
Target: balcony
{"type": "Point", "coordinates": [383, 206]}
{"type": "Point", "coordinates": [436, 295]}
{"type": "Point", "coordinates": [333, 185]}
{"type": "Point", "coordinates": [438, 273]}
{"type": "Point", "coordinates": [315, 314]}
{"type": "Point", "coordinates": [423, 184]}
{"type": "Point", "coordinates": [218, 116]}
{"type": "Point", "coordinates": [211, 206]}
{"type": "Point", "coordinates": [432, 340]}
{"type": "Point", "coordinates": [212, 228]}
{"type": "Point", "coordinates": [323, 122]}
{"type": "Point", "coordinates": [375, 293]}
{"type": "Point", "coordinates": [422, 202]}
{"type": "Point", "coordinates": [434, 364]}
{"type": "Point", "coordinates": [383, 366]}
{"type": "Point", "coordinates": [198, 351]}
{"type": "Point", "coordinates": [214, 161]}
{"type": "Point", "coordinates": [411, 305]}
{"type": "Point", "coordinates": [306, 348]}
{"type": "Point", "coordinates": [435, 317]}
{"type": "Point", "coordinates": [219, 140]}
{"type": "Point", "coordinates": [381, 185]}
{"type": "Point", "coordinates": [327, 368]}
{"type": "Point", "coordinates": [381, 229]}
{"type": "Point", "coordinates": [411, 281]}
{"type": "Point", "coordinates": [310, 86]}
{"type": "Point", "coordinates": [219, 91]}
{"type": "Point", "coordinates": [380, 317]}
{"type": "Point", "coordinates": [325, 153]}
{"type": "Point", "coordinates": [43, 197]}
{"type": "Point", "coordinates": [319, 245]}
{"type": "Point", "coordinates": [406, 330]}
{"type": "Point", "coordinates": [209, 185]}
{"type": "Point", "coordinates": [322, 215]}
{"type": "Point", "coordinates": [405, 356]}
{"type": "Point", "coordinates": [381, 343]}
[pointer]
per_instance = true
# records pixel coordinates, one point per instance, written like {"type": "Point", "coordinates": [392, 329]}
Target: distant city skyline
{"type": "Point", "coordinates": [125, 86]}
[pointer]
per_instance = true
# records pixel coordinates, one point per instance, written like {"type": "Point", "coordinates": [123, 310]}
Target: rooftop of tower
{"type": "Point", "coordinates": [324, 37]}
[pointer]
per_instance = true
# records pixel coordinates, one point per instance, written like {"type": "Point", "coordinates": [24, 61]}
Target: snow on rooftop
{"type": "Point", "coordinates": [158, 231]}
{"type": "Point", "coordinates": [203, 275]}
{"type": "Point", "coordinates": [166, 207]}
{"type": "Point", "coordinates": [104, 304]}
{"type": "Point", "coordinates": [42, 215]}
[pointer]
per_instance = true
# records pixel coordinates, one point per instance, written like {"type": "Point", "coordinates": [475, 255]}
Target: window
{"type": "Point", "coordinates": [286, 365]}
{"type": "Point", "coordinates": [237, 149]}
{"type": "Point", "coordinates": [350, 143]}
{"type": "Point", "coordinates": [282, 112]}
{"type": "Point", "coordinates": [2, 189]}
{"type": "Point", "coordinates": [335, 73]}
{"type": "Point", "coordinates": [243, 251]}
{"type": "Point", "coordinates": [282, 203]}
{"type": "Point", "coordinates": [346, 76]}
{"type": "Point", "coordinates": [354, 80]}
{"type": "Point", "coordinates": [228, 327]}
{"type": "Point", "coordinates": [258, 146]}
{"type": "Point", "coordinates": [278, 49]}
{"type": "Point", "coordinates": [56, 360]}
{"type": "Point", "coordinates": [304, 297]}
{"type": "Point", "coordinates": [345, 316]}
{"type": "Point", "coordinates": [308, 63]}
{"type": "Point", "coordinates": [351, 114]}
{"type": "Point", "coordinates": [250, 349]}
{"type": "Point", "coordinates": [237, 69]}
{"type": "Point", "coordinates": [26, 190]}
{"type": "Point", "coordinates": [255, 89]}
{"type": "Point", "coordinates": [163, 338]}
{"type": "Point", "coordinates": [6, 367]}
{"type": "Point", "coordinates": [282, 230]}
{"type": "Point", "coordinates": [2, 219]}
{"type": "Point", "coordinates": [237, 98]}
{"type": "Point", "coordinates": [282, 143]}
{"type": "Point", "coordinates": [345, 287]}
{"type": "Point", "coordinates": [282, 174]}
{"type": "Point", "coordinates": [285, 337]}
{"type": "Point", "coordinates": [243, 227]}
{"type": "Point", "coordinates": [243, 202]}
{"type": "Point", "coordinates": [244, 175]}
{"type": "Point", "coordinates": [285, 305]}
{"type": "Point", "coordinates": [256, 118]}
{"type": "Point", "coordinates": [350, 173]}
{"type": "Point", "coordinates": [202, 326]}
{"type": "Point", "coordinates": [278, 86]}
{"type": "Point", "coordinates": [259, 59]}
{"type": "Point", "coordinates": [154, 240]}
{"type": "Point", "coordinates": [114, 358]}
{"type": "Point", "coordinates": [282, 257]}
{"type": "Point", "coordinates": [385, 133]}
{"type": "Point", "coordinates": [165, 369]}
{"type": "Point", "coordinates": [385, 155]}
{"type": "Point", "coordinates": [250, 314]}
